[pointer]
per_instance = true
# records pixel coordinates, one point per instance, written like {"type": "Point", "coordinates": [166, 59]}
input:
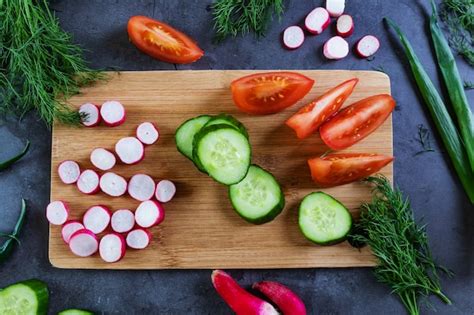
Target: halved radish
{"type": "Point", "coordinates": [57, 212]}
{"type": "Point", "coordinates": [113, 185]}
{"type": "Point", "coordinates": [103, 159]}
{"type": "Point", "coordinates": [367, 46]}
{"type": "Point", "coordinates": [335, 7]}
{"type": "Point", "coordinates": [336, 48]}
{"type": "Point", "coordinates": [88, 182]}
{"type": "Point", "coordinates": [112, 247]}
{"type": "Point", "coordinates": [141, 187]}
{"type": "Point", "coordinates": [96, 219]}
{"type": "Point", "coordinates": [147, 133]}
{"type": "Point", "coordinates": [90, 116]}
{"type": "Point", "coordinates": [317, 20]}
{"type": "Point", "coordinates": [165, 190]}
{"type": "Point", "coordinates": [149, 213]}
{"type": "Point", "coordinates": [113, 113]}
{"type": "Point", "coordinates": [138, 238]}
{"type": "Point", "coordinates": [122, 221]}
{"type": "Point", "coordinates": [345, 25]}
{"type": "Point", "coordinates": [83, 243]}
{"type": "Point", "coordinates": [293, 37]}
{"type": "Point", "coordinates": [69, 228]}
{"type": "Point", "coordinates": [69, 172]}
{"type": "Point", "coordinates": [130, 150]}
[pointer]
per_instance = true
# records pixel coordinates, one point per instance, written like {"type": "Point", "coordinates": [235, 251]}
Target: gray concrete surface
{"type": "Point", "coordinates": [435, 193]}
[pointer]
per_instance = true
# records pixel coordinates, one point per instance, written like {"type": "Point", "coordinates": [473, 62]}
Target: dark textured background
{"type": "Point", "coordinates": [436, 195]}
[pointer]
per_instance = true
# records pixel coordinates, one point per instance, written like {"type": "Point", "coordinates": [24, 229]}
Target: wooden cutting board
{"type": "Point", "coordinates": [201, 230]}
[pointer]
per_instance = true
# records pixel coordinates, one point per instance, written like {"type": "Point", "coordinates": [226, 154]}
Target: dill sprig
{"type": "Point", "coordinates": [401, 246]}
{"type": "Point", "coordinates": [40, 67]}
{"type": "Point", "coordinates": [424, 138]}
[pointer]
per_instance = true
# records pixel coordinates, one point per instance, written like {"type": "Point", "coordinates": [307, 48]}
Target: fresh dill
{"type": "Point", "coordinates": [424, 138]}
{"type": "Point", "coordinates": [468, 85]}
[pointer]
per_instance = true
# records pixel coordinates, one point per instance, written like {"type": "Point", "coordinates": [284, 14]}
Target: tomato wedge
{"type": "Point", "coordinates": [308, 119]}
{"type": "Point", "coordinates": [162, 41]}
{"type": "Point", "coordinates": [356, 121]}
{"type": "Point", "coordinates": [270, 92]}
{"type": "Point", "coordinates": [339, 169]}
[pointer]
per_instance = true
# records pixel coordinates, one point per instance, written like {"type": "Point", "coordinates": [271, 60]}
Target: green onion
{"type": "Point", "coordinates": [7, 163]}
{"type": "Point", "coordinates": [440, 115]}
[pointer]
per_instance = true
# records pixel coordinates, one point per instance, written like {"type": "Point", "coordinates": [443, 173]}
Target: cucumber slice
{"type": "Point", "coordinates": [185, 134]}
{"type": "Point", "coordinates": [224, 152]}
{"type": "Point", "coordinates": [26, 298]}
{"type": "Point", "coordinates": [324, 220]}
{"type": "Point", "coordinates": [227, 120]}
{"type": "Point", "coordinates": [75, 312]}
{"type": "Point", "coordinates": [258, 198]}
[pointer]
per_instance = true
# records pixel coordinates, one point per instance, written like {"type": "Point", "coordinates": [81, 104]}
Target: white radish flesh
{"type": "Point", "coordinates": [69, 228]}
{"type": "Point", "coordinates": [57, 212]}
{"type": "Point", "coordinates": [88, 182]}
{"type": "Point", "coordinates": [83, 243]}
{"type": "Point", "coordinates": [113, 185]}
{"type": "Point", "coordinates": [317, 21]}
{"type": "Point", "coordinates": [335, 7]}
{"type": "Point", "coordinates": [138, 239]}
{"type": "Point", "coordinates": [367, 46]}
{"type": "Point", "coordinates": [149, 213]}
{"type": "Point", "coordinates": [112, 247]}
{"type": "Point", "coordinates": [345, 26]}
{"type": "Point", "coordinates": [96, 219]}
{"type": "Point", "coordinates": [141, 187]}
{"type": "Point", "coordinates": [130, 150]}
{"type": "Point", "coordinates": [90, 114]}
{"type": "Point", "coordinates": [336, 48]}
{"type": "Point", "coordinates": [122, 221]}
{"type": "Point", "coordinates": [147, 133]}
{"type": "Point", "coordinates": [293, 37]}
{"type": "Point", "coordinates": [112, 113]}
{"type": "Point", "coordinates": [165, 190]}
{"type": "Point", "coordinates": [69, 172]}
{"type": "Point", "coordinates": [103, 159]}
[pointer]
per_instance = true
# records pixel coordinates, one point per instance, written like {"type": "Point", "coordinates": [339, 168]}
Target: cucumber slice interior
{"type": "Point", "coordinates": [186, 132]}
{"type": "Point", "coordinates": [227, 120]}
{"type": "Point", "coordinates": [26, 298]}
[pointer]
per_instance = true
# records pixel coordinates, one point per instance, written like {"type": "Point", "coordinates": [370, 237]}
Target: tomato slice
{"type": "Point", "coordinates": [270, 92]}
{"type": "Point", "coordinates": [308, 119]}
{"type": "Point", "coordinates": [339, 169]}
{"type": "Point", "coordinates": [357, 121]}
{"type": "Point", "coordinates": [161, 41]}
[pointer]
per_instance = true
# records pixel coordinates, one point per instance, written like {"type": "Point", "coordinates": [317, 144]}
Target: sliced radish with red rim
{"type": "Point", "coordinates": [57, 212]}
{"type": "Point", "coordinates": [336, 48]}
{"type": "Point", "coordinates": [367, 46]}
{"type": "Point", "coordinates": [317, 21]}
{"type": "Point", "coordinates": [293, 37]}
{"type": "Point", "coordinates": [345, 26]}
{"type": "Point", "coordinates": [138, 239]}
{"type": "Point", "coordinates": [165, 190]}
{"type": "Point", "coordinates": [103, 159]}
{"type": "Point", "coordinates": [96, 219]}
{"type": "Point", "coordinates": [112, 247]}
{"type": "Point", "coordinates": [141, 187]}
{"type": "Point", "coordinates": [147, 133]}
{"type": "Point", "coordinates": [69, 228]}
{"type": "Point", "coordinates": [122, 221]}
{"type": "Point", "coordinates": [83, 243]}
{"type": "Point", "coordinates": [130, 150]}
{"type": "Point", "coordinates": [113, 185]}
{"type": "Point", "coordinates": [90, 116]}
{"type": "Point", "coordinates": [335, 7]}
{"type": "Point", "coordinates": [69, 172]}
{"type": "Point", "coordinates": [88, 182]}
{"type": "Point", "coordinates": [113, 113]}
{"type": "Point", "coordinates": [149, 213]}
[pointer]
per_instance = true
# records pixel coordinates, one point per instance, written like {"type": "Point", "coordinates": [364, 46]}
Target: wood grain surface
{"type": "Point", "coordinates": [201, 230]}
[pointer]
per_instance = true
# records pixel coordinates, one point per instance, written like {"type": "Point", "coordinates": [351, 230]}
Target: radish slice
{"type": "Point", "coordinates": [165, 190]}
{"type": "Point", "coordinates": [90, 116]}
{"type": "Point", "coordinates": [112, 247]}
{"type": "Point", "coordinates": [138, 239]}
{"type": "Point", "coordinates": [69, 228]}
{"type": "Point", "coordinates": [113, 113]}
{"type": "Point", "coordinates": [57, 212]}
{"type": "Point", "coordinates": [317, 21]}
{"type": "Point", "coordinates": [293, 37]}
{"type": "Point", "coordinates": [113, 185]}
{"type": "Point", "coordinates": [103, 159]}
{"type": "Point", "coordinates": [336, 48]}
{"type": "Point", "coordinates": [130, 150]}
{"type": "Point", "coordinates": [367, 46]}
{"type": "Point", "coordinates": [141, 187]}
{"type": "Point", "coordinates": [335, 7]}
{"type": "Point", "coordinates": [83, 243]}
{"type": "Point", "coordinates": [88, 182]}
{"type": "Point", "coordinates": [149, 213]}
{"type": "Point", "coordinates": [345, 26]}
{"type": "Point", "coordinates": [69, 172]}
{"type": "Point", "coordinates": [147, 133]}
{"type": "Point", "coordinates": [122, 221]}
{"type": "Point", "coordinates": [96, 219]}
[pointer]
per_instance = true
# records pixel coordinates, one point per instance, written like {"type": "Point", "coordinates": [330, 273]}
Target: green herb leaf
{"type": "Point", "coordinates": [7, 163]}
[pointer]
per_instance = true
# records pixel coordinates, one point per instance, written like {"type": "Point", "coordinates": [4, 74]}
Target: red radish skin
{"type": "Point", "coordinates": [367, 46]}
{"type": "Point", "coordinates": [103, 159]}
{"type": "Point", "coordinates": [317, 21]}
{"type": "Point", "coordinates": [293, 37]}
{"type": "Point", "coordinates": [130, 150]}
{"type": "Point", "coordinates": [112, 247]}
{"type": "Point", "coordinates": [113, 185]}
{"type": "Point", "coordinates": [88, 182]}
{"type": "Point", "coordinates": [96, 219]}
{"type": "Point", "coordinates": [239, 300]}
{"type": "Point", "coordinates": [138, 239]}
{"type": "Point", "coordinates": [112, 113]}
{"type": "Point", "coordinates": [335, 7]}
{"type": "Point", "coordinates": [69, 172]}
{"type": "Point", "coordinates": [165, 190]}
{"type": "Point", "coordinates": [83, 243]}
{"type": "Point", "coordinates": [57, 212]}
{"type": "Point", "coordinates": [336, 48]}
{"type": "Point", "coordinates": [147, 133]}
{"type": "Point", "coordinates": [286, 300]}
{"type": "Point", "coordinates": [90, 114]}
{"type": "Point", "coordinates": [122, 221]}
{"type": "Point", "coordinates": [149, 213]}
{"type": "Point", "coordinates": [69, 228]}
{"type": "Point", "coordinates": [141, 187]}
{"type": "Point", "coordinates": [345, 25]}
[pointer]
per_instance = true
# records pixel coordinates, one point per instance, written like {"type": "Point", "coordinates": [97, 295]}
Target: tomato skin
{"type": "Point", "coordinates": [162, 41]}
{"type": "Point", "coordinates": [309, 118]}
{"type": "Point", "coordinates": [355, 122]}
{"type": "Point", "coordinates": [269, 92]}
{"type": "Point", "coordinates": [344, 168]}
